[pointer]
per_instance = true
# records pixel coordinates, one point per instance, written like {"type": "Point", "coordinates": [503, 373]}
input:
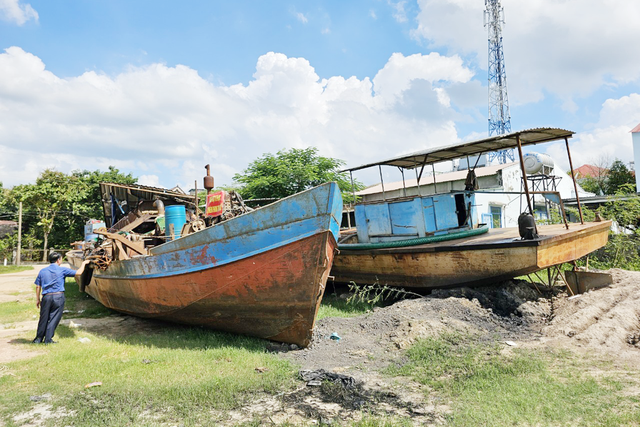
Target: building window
{"type": "Point", "coordinates": [496, 216]}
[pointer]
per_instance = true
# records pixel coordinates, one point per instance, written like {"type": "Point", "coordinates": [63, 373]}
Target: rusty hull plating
{"type": "Point", "coordinates": [274, 295]}
{"type": "Point", "coordinates": [262, 273]}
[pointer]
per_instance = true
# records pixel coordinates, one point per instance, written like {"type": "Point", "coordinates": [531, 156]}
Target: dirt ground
{"type": "Point", "coordinates": [605, 321]}
{"type": "Point", "coordinates": [17, 287]}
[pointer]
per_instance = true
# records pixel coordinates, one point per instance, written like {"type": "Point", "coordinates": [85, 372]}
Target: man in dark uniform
{"type": "Point", "coordinates": [50, 297]}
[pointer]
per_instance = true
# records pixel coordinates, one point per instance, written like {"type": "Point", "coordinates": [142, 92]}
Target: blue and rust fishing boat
{"type": "Point", "coordinates": [261, 273]}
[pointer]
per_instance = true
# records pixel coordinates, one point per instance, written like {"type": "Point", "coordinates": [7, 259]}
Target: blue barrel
{"type": "Point", "coordinates": [176, 215]}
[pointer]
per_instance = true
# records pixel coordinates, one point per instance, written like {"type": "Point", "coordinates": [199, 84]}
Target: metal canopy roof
{"type": "Point", "coordinates": [124, 191]}
{"type": "Point", "coordinates": [134, 193]}
{"type": "Point", "coordinates": [480, 146]}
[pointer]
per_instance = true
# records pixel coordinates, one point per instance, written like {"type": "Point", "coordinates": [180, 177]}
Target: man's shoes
{"type": "Point", "coordinates": [51, 342]}
{"type": "Point", "coordinates": [37, 340]}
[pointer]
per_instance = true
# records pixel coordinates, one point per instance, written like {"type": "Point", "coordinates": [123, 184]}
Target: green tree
{"type": "Point", "coordinates": [5, 208]}
{"type": "Point", "coordinates": [52, 194]}
{"type": "Point", "coordinates": [289, 172]}
{"type": "Point", "coordinates": [592, 185]}
{"type": "Point", "coordinates": [619, 177]}
{"type": "Point", "coordinates": [57, 206]}
{"type": "Point", "coordinates": [625, 211]}
{"type": "Point", "coordinates": [89, 206]}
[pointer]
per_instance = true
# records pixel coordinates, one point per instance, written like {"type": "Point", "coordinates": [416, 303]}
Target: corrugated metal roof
{"type": "Point", "coordinates": [636, 129]}
{"type": "Point", "coordinates": [140, 191]}
{"type": "Point", "coordinates": [134, 193]}
{"type": "Point", "coordinates": [480, 146]}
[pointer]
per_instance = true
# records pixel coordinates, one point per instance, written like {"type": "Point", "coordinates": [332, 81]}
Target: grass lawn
{"type": "Point", "coordinates": [180, 375]}
{"type": "Point", "coordinates": [486, 386]}
{"type": "Point", "coordinates": [334, 306]}
{"type": "Point", "coordinates": [176, 375]}
{"type": "Point", "coordinates": [14, 268]}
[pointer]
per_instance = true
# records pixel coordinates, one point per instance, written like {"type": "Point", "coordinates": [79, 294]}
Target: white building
{"type": "Point", "coordinates": [635, 139]}
{"type": "Point", "coordinates": [499, 199]}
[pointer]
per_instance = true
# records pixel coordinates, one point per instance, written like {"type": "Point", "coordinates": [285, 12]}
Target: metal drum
{"type": "Point", "coordinates": [175, 217]}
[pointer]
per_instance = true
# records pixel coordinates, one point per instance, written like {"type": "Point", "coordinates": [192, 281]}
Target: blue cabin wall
{"type": "Point", "coordinates": [411, 217]}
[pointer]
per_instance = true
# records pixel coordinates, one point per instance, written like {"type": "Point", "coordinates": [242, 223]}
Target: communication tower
{"type": "Point", "coordinates": [499, 117]}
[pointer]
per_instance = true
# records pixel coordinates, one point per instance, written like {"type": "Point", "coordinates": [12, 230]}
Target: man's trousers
{"type": "Point", "coordinates": [51, 308]}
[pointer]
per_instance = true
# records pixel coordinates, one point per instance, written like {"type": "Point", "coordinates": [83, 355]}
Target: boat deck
{"type": "Point", "coordinates": [500, 238]}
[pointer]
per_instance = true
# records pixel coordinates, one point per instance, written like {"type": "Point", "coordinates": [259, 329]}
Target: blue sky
{"type": "Point", "coordinates": [159, 89]}
{"type": "Point", "coordinates": [222, 40]}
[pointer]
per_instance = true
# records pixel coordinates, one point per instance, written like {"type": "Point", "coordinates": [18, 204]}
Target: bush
{"type": "Point", "coordinates": [622, 251]}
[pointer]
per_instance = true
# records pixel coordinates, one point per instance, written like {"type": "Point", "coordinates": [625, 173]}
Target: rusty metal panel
{"type": "Point", "coordinates": [272, 295]}
{"type": "Point", "coordinates": [262, 273]}
{"type": "Point", "coordinates": [583, 281]}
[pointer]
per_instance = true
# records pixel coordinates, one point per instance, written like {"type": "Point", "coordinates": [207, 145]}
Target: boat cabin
{"type": "Point", "coordinates": [414, 217]}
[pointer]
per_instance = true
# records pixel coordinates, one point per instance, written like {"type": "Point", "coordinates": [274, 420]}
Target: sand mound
{"type": "Point", "coordinates": [607, 318]}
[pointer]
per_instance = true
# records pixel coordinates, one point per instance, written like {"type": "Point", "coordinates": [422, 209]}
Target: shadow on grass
{"type": "Point", "coordinates": [20, 341]}
{"type": "Point", "coordinates": [136, 331]}
{"type": "Point", "coordinates": [80, 304]}
{"type": "Point", "coordinates": [122, 328]}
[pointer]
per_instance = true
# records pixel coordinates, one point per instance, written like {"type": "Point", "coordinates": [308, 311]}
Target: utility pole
{"type": "Point", "coordinates": [19, 233]}
{"type": "Point", "coordinates": [499, 117]}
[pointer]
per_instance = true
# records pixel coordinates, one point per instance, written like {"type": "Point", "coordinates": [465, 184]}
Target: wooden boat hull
{"type": "Point", "coordinates": [497, 255]}
{"type": "Point", "coordinates": [261, 274]}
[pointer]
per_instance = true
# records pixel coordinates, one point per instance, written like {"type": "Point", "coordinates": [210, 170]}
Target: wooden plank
{"type": "Point", "coordinates": [137, 247]}
{"type": "Point", "coordinates": [134, 222]}
{"type": "Point", "coordinates": [573, 247]}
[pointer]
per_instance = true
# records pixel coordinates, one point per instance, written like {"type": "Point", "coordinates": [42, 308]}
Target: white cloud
{"type": "Point", "coordinates": [14, 11]}
{"type": "Point", "coordinates": [399, 13]}
{"type": "Point", "coordinates": [398, 73]}
{"type": "Point", "coordinates": [300, 17]}
{"type": "Point", "coordinates": [569, 48]}
{"type": "Point", "coordinates": [165, 123]}
{"type": "Point", "coordinates": [150, 180]}
{"type": "Point", "coordinates": [609, 138]}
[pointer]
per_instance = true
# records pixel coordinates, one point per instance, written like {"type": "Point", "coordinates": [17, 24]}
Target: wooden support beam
{"type": "Point", "coordinates": [137, 247]}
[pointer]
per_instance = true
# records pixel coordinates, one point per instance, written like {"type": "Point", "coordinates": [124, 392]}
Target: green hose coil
{"type": "Point", "coordinates": [418, 241]}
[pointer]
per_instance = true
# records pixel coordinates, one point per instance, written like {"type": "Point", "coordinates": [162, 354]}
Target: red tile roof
{"type": "Point", "coordinates": [636, 129]}
{"type": "Point", "coordinates": [589, 170]}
